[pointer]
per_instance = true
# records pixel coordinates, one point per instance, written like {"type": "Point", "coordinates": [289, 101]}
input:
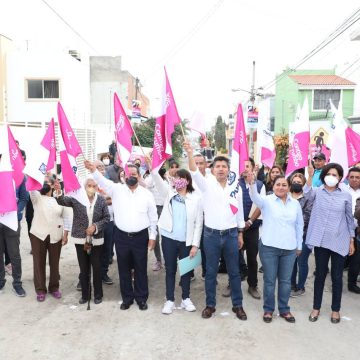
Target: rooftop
{"type": "Point", "coordinates": [321, 80]}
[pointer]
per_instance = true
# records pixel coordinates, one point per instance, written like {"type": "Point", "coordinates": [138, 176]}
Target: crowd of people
{"type": "Point", "coordinates": [177, 212]}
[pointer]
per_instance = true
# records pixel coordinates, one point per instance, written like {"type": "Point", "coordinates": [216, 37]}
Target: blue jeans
{"type": "Point", "coordinates": [301, 263]}
{"type": "Point", "coordinates": [277, 265]}
{"type": "Point", "coordinates": [215, 242]}
{"type": "Point", "coordinates": [173, 250]}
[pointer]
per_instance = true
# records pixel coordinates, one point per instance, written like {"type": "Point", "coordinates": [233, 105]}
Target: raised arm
{"type": "Point", "coordinates": [159, 183]}
{"type": "Point", "coordinates": [107, 185]}
{"type": "Point", "coordinates": [254, 195]}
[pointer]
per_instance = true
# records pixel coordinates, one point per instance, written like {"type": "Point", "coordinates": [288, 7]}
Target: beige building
{"type": "Point", "coordinates": [5, 45]}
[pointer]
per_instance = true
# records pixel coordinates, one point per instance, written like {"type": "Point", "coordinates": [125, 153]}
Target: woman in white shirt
{"type": "Point", "coordinates": [180, 225]}
{"type": "Point", "coordinates": [45, 235]}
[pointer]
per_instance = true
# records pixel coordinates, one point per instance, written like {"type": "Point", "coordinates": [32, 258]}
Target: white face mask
{"type": "Point", "coordinates": [106, 162]}
{"type": "Point", "coordinates": [331, 180]}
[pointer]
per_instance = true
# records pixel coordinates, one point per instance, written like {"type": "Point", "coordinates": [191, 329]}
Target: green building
{"type": "Point", "coordinates": [319, 86]}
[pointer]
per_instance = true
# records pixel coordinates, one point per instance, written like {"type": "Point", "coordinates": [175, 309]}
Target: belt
{"type": "Point", "coordinates": [220, 232]}
{"type": "Point", "coordinates": [132, 234]}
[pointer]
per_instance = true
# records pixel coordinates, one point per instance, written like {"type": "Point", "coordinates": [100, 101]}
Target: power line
{"type": "Point", "coordinates": [70, 27]}
{"type": "Point", "coordinates": [330, 38]}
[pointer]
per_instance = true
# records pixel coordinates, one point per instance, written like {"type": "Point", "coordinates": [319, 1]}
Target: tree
{"type": "Point", "coordinates": [220, 134]}
{"type": "Point", "coordinates": [145, 134]}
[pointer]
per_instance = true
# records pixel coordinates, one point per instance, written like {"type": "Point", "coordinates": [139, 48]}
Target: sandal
{"type": "Point", "coordinates": [40, 297]}
{"type": "Point", "coordinates": [267, 317]}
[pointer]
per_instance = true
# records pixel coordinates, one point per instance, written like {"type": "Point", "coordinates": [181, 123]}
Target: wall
{"type": "Point", "coordinates": [74, 87]}
{"type": "Point", "coordinates": [5, 46]}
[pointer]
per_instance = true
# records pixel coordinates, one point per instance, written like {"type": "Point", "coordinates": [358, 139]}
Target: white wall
{"type": "Point", "coordinates": [74, 86]}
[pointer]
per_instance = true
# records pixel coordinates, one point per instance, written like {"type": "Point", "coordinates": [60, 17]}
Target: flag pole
{"type": "Point", "coordinates": [182, 130]}
{"type": "Point", "coordinates": [137, 139]}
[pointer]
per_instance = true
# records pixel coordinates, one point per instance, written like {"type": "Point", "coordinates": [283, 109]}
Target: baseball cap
{"type": "Point", "coordinates": [319, 156]}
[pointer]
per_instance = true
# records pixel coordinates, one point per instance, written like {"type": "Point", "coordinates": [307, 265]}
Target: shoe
{"type": "Point", "coordinates": [227, 292]}
{"type": "Point", "coordinates": [8, 269]}
{"type": "Point", "coordinates": [187, 305]}
{"type": "Point", "coordinates": [261, 270]}
{"type": "Point", "coordinates": [335, 320]}
{"type": "Point", "coordinates": [125, 306]}
{"type": "Point", "coordinates": [41, 297]}
{"type": "Point", "coordinates": [19, 291]}
{"type": "Point", "coordinates": [56, 294]}
{"type": "Point", "coordinates": [78, 286]}
{"type": "Point", "coordinates": [240, 313]}
{"type": "Point", "coordinates": [168, 308]}
{"type": "Point", "coordinates": [313, 318]}
{"type": "Point", "coordinates": [288, 316]}
{"type": "Point", "coordinates": [354, 289]}
{"type": "Point", "coordinates": [157, 266]}
{"type": "Point", "coordinates": [207, 312]}
{"type": "Point", "coordinates": [296, 293]}
{"type": "Point", "coordinates": [106, 280]}
{"type": "Point", "coordinates": [267, 317]}
{"type": "Point", "coordinates": [143, 305]}
{"type": "Point", "coordinates": [254, 292]}
{"type": "Point", "coordinates": [83, 301]}
{"type": "Point", "coordinates": [97, 301]}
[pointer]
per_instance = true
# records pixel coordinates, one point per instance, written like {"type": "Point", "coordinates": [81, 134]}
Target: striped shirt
{"type": "Point", "coordinates": [331, 223]}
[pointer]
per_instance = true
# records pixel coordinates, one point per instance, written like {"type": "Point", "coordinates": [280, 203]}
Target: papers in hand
{"type": "Point", "coordinates": [187, 264]}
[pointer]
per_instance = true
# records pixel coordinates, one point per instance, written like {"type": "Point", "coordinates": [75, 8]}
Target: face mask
{"type": "Point", "coordinates": [106, 162]}
{"type": "Point", "coordinates": [131, 181]}
{"type": "Point", "coordinates": [296, 188]}
{"type": "Point", "coordinates": [331, 180]}
{"type": "Point", "coordinates": [45, 189]}
{"type": "Point", "coordinates": [180, 183]}
{"type": "Point", "coordinates": [90, 191]}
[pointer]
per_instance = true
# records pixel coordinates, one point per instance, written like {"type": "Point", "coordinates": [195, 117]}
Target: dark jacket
{"type": "Point", "coordinates": [357, 215]}
{"type": "Point", "coordinates": [22, 197]}
{"type": "Point", "coordinates": [80, 219]}
{"type": "Point", "coordinates": [113, 173]}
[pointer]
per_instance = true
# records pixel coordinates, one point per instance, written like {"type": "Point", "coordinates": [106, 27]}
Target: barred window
{"type": "Point", "coordinates": [322, 99]}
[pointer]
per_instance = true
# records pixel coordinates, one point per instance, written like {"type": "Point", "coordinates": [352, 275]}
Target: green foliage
{"type": "Point", "coordinates": [145, 134]}
{"type": "Point", "coordinates": [220, 133]}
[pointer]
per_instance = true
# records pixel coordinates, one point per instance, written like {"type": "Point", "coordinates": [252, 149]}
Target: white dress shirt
{"type": "Point", "coordinates": [133, 210]}
{"type": "Point", "coordinates": [216, 203]}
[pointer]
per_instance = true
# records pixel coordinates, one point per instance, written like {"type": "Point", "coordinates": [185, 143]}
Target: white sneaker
{"type": "Point", "coordinates": [188, 305]}
{"type": "Point", "coordinates": [168, 308]}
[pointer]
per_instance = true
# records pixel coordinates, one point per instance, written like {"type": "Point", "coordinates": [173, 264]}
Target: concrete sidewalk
{"type": "Point", "coordinates": [63, 329]}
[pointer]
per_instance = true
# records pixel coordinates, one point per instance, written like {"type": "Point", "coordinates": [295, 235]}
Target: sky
{"type": "Point", "coordinates": [207, 46]}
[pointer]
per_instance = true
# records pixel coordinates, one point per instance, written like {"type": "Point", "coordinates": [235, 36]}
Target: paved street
{"type": "Point", "coordinates": [62, 329]}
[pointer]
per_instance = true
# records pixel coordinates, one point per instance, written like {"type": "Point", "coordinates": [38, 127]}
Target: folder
{"type": "Point", "coordinates": [187, 264]}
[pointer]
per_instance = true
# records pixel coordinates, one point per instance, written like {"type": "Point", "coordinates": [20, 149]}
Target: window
{"type": "Point", "coordinates": [322, 97]}
{"type": "Point", "coordinates": [43, 89]}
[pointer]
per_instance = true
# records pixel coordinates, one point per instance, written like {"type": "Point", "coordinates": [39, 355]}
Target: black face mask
{"type": "Point", "coordinates": [45, 189]}
{"type": "Point", "coordinates": [296, 188]}
{"type": "Point", "coordinates": [131, 181]}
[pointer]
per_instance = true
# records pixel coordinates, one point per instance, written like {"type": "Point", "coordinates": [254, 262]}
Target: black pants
{"type": "Point", "coordinates": [203, 255]}
{"type": "Point", "coordinates": [251, 245]}
{"type": "Point", "coordinates": [85, 260]}
{"type": "Point", "coordinates": [10, 239]}
{"type": "Point", "coordinates": [131, 252]}
{"type": "Point", "coordinates": [322, 257]}
{"type": "Point", "coordinates": [354, 265]}
{"type": "Point", "coordinates": [107, 248]}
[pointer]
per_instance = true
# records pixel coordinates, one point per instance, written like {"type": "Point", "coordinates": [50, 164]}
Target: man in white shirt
{"type": "Point", "coordinates": [354, 260]}
{"type": "Point", "coordinates": [222, 232]}
{"type": "Point", "coordinates": [135, 220]}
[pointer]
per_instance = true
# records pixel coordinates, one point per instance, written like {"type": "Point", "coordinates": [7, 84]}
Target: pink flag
{"type": "Point", "coordinates": [299, 149]}
{"type": "Point", "coordinates": [71, 182]}
{"type": "Point", "coordinates": [265, 142]}
{"type": "Point", "coordinates": [238, 157]}
{"type": "Point", "coordinates": [165, 126]}
{"type": "Point", "coordinates": [44, 153]}
{"type": "Point", "coordinates": [49, 143]}
{"type": "Point", "coordinates": [123, 132]}
{"type": "Point", "coordinates": [8, 205]}
{"type": "Point", "coordinates": [16, 159]}
{"type": "Point", "coordinates": [353, 146]}
{"type": "Point", "coordinates": [71, 144]}
{"type": "Point", "coordinates": [197, 123]}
